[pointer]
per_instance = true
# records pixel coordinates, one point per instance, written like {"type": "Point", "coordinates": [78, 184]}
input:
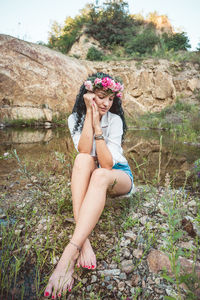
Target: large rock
{"type": "Point", "coordinates": [82, 45]}
{"type": "Point", "coordinates": [35, 81]}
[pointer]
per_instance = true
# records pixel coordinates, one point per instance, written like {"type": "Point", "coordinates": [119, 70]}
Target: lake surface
{"type": "Point", "coordinates": [151, 153]}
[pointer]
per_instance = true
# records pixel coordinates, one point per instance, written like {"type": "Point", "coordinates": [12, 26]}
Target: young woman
{"type": "Point", "coordinates": [97, 127]}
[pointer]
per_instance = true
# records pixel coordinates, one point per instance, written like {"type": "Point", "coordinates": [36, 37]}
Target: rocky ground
{"type": "Point", "coordinates": [147, 246]}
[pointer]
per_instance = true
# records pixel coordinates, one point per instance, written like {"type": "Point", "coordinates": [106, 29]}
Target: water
{"type": "Point", "coordinates": [151, 154]}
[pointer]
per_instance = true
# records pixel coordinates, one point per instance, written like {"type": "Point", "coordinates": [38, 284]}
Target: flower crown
{"type": "Point", "coordinates": [108, 84]}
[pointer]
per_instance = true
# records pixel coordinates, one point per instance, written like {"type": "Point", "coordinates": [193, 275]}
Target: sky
{"type": "Point", "coordinates": [31, 20]}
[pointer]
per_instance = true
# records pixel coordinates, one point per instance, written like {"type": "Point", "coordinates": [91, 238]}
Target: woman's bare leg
{"type": "Point", "coordinates": [89, 213]}
{"type": "Point", "coordinates": [83, 167]}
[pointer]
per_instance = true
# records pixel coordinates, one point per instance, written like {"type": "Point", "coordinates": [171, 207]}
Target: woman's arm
{"type": "Point", "coordinates": [86, 139]}
{"type": "Point", "coordinates": [103, 153]}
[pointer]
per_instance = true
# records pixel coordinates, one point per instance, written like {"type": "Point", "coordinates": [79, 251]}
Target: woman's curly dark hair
{"type": "Point", "coordinates": [80, 108]}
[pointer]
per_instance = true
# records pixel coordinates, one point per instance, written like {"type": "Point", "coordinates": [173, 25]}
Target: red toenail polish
{"type": "Point", "coordinates": [69, 290]}
{"type": "Point", "coordinates": [92, 266]}
{"type": "Point", "coordinates": [59, 295]}
{"type": "Point", "coordinates": [89, 267]}
{"type": "Point", "coordinates": [46, 294]}
{"type": "Point", "coordinates": [52, 297]}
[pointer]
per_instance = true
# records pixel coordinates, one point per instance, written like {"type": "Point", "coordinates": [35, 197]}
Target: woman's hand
{"type": "Point", "coordinates": [89, 99]}
{"type": "Point", "coordinates": [96, 119]}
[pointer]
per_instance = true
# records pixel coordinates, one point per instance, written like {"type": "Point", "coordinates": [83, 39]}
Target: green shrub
{"type": "Point", "coordinates": [142, 43]}
{"type": "Point", "coordinates": [176, 41]}
{"type": "Point", "coordinates": [94, 54]}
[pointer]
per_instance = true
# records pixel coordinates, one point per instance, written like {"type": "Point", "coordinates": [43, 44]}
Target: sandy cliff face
{"type": "Point", "coordinates": [39, 83]}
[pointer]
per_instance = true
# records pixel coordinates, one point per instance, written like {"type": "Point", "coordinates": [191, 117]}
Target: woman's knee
{"type": "Point", "coordinates": [83, 160]}
{"type": "Point", "coordinates": [100, 177]}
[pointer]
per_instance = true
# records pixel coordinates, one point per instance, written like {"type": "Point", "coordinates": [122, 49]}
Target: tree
{"type": "Point", "coordinates": [108, 24]}
{"type": "Point", "coordinates": [142, 43]}
{"type": "Point", "coordinates": [176, 41]}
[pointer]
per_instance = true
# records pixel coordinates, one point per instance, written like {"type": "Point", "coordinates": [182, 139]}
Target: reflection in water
{"type": "Point", "coordinates": [149, 155]}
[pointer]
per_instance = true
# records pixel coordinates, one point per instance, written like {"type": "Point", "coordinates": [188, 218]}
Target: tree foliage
{"type": "Point", "coordinates": [94, 54]}
{"type": "Point", "coordinates": [142, 43]}
{"type": "Point", "coordinates": [109, 24]}
{"type": "Point", "coordinates": [176, 41]}
{"type": "Point", "coordinates": [113, 26]}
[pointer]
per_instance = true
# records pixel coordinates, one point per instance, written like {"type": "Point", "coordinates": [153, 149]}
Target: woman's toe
{"type": "Point", "coordinates": [68, 286]}
{"type": "Point", "coordinates": [54, 294]}
{"type": "Point", "coordinates": [48, 290]}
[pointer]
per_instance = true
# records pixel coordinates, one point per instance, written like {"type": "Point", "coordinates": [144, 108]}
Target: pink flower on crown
{"type": "Point", "coordinates": [118, 87]}
{"type": "Point", "coordinates": [88, 85]}
{"type": "Point", "coordinates": [119, 95]}
{"type": "Point", "coordinates": [105, 82]}
{"type": "Point", "coordinates": [111, 85]}
{"type": "Point", "coordinates": [97, 81]}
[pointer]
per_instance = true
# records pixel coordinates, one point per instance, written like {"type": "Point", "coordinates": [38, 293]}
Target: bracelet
{"type": "Point", "coordinates": [98, 137]}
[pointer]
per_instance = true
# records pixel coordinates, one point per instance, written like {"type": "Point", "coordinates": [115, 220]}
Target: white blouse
{"type": "Point", "coordinates": [112, 128]}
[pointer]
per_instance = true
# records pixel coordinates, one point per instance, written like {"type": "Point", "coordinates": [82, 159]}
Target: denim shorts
{"type": "Point", "coordinates": [125, 167]}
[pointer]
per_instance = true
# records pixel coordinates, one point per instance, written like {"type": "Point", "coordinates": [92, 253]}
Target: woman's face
{"type": "Point", "coordinates": [103, 101]}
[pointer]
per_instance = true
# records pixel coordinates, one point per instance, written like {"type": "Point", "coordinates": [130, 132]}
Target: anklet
{"type": "Point", "coordinates": [79, 248]}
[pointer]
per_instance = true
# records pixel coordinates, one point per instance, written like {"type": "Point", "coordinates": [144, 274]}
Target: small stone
{"type": "Point", "coordinates": [192, 203]}
{"type": "Point", "coordinates": [137, 253]}
{"type": "Point", "coordinates": [157, 280]}
{"type": "Point", "coordinates": [143, 284]}
{"type": "Point", "coordinates": [2, 216]}
{"type": "Point", "coordinates": [54, 260]}
{"type": "Point", "coordinates": [47, 125]}
{"type": "Point", "coordinates": [125, 243]}
{"type": "Point", "coordinates": [133, 291]}
{"type": "Point", "coordinates": [132, 236]}
{"type": "Point", "coordinates": [112, 272]}
{"type": "Point", "coordinates": [110, 287]}
{"type": "Point", "coordinates": [143, 220]}
{"type": "Point", "coordinates": [150, 281]}
{"type": "Point", "coordinates": [107, 278]}
{"type": "Point", "coordinates": [158, 291]}
{"type": "Point", "coordinates": [40, 227]}
{"type": "Point", "coordinates": [20, 226]}
{"type": "Point", "coordinates": [127, 266]}
{"type": "Point", "coordinates": [135, 279]}
{"type": "Point", "coordinates": [129, 283]}
{"type": "Point", "coordinates": [123, 276]}
{"type": "Point", "coordinates": [121, 285]}
{"type": "Point", "coordinates": [186, 245]}
{"type": "Point", "coordinates": [18, 231]}
{"type": "Point", "coordinates": [89, 287]}
{"type": "Point", "coordinates": [113, 266]}
{"type": "Point", "coordinates": [103, 236]}
{"type": "Point", "coordinates": [93, 278]}
{"type": "Point", "coordinates": [84, 280]}
{"type": "Point", "coordinates": [127, 253]}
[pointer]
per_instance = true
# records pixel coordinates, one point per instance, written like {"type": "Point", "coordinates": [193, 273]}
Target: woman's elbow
{"type": "Point", "coordinates": [107, 166]}
{"type": "Point", "coordinates": [84, 150]}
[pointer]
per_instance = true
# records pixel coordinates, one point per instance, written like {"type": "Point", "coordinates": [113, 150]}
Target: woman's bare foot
{"type": "Point", "coordinates": [87, 258]}
{"type": "Point", "coordinates": [61, 280]}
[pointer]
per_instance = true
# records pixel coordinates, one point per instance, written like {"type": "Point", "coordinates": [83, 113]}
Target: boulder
{"type": "Point", "coordinates": [37, 82]}
{"type": "Point", "coordinates": [82, 45]}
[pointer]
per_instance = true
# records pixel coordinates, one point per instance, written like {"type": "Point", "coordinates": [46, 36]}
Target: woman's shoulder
{"type": "Point", "coordinates": [114, 117]}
